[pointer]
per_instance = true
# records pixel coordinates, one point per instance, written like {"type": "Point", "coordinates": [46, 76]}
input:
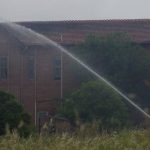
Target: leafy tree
{"type": "Point", "coordinates": [123, 62]}
{"type": "Point", "coordinates": [12, 114]}
{"type": "Point", "coordinates": [94, 101]}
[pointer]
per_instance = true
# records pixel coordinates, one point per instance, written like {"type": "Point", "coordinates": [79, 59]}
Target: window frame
{"type": "Point", "coordinates": [31, 67]}
{"type": "Point", "coordinates": [57, 68]}
{"type": "Point", "coordinates": [3, 67]}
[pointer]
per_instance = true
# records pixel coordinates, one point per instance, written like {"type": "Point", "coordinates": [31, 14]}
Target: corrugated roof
{"type": "Point", "coordinates": [70, 32]}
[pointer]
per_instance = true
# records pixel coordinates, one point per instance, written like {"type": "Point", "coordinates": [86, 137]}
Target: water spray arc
{"type": "Point", "coordinates": [19, 30]}
{"type": "Point", "coordinates": [102, 79]}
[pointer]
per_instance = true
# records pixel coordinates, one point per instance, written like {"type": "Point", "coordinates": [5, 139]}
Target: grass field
{"type": "Point", "coordinates": [126, 140]}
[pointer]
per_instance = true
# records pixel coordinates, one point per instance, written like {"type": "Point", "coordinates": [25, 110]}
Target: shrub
{"type": "Point", "coordinates": [96, 102]}
{"type": "Point", "coordinates": [12, 114]}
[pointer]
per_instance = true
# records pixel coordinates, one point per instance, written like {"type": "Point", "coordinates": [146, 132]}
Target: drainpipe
{"type": "Point", "coordinates": [21, 73]}
{"type": "Point", "coordinates": [21, 78]}
{"type": "Point", "coordinates": [61, 77]}
{"type": "Point", "coordinates": [35, 87]}
{"type": "Point", "coordinates": [8, 70]}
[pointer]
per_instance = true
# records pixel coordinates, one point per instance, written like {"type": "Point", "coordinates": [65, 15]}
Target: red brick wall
{"type": "Point", "coordinates": [45, 90]}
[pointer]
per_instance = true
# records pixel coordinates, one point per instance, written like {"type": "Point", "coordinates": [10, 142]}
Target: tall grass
{"type": "Point", "coordinates": [132, 140]}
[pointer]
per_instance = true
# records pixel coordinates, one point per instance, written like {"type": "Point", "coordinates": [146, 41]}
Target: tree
{"type": "Point", "coordinates": [12, 114]}
{"type": "Point", "coordinates": [94, 101]}
{"type": "Point", "coordinates": [123, 62]}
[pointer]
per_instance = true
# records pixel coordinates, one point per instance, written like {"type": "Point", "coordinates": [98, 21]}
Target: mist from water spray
{"type": "Point", "coordinates": [21, 31]}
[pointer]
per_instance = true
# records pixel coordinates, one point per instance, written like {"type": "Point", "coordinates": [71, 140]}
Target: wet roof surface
{"type": "Point", "coordinates": [71, 32]}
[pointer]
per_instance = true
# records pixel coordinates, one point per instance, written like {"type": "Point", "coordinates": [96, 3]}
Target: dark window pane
{"type": "Point", "coordinates": [57, 68]}
{"type": "Point", "coordinates": [57, 74]}
{"type": "Point", "coordinates": [3, 67]}
{"type": "Point", "coordinates": [31, 67]}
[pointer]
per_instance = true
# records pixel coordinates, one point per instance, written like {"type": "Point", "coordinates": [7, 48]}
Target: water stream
{"type": "Point", "coordinates": [24, 33]}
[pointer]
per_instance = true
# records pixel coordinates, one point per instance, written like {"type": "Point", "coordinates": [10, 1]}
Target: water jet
{"type": "Point", "coordinates": [21, 31]}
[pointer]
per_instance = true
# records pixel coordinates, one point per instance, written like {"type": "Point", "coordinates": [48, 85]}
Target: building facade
{"type": "Point", "coordinates": [39, 75]}
{"type": "Point", "coordinates": [33, 73]}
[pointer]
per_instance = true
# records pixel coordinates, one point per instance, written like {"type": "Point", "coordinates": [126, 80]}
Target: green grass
{"type": "Point", "coordinates": [126, 140]}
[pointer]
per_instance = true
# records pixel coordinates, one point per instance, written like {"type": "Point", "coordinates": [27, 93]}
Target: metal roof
{"type": "Point", "coordinates": [71, 32]}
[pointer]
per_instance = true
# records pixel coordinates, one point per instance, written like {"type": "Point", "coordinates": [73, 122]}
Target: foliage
{"type": "Point", "coordinates": [96, 102]}
{"type": "Point", "coordinates": [135, 140]}
{"type": "Point", "coordinates": [12, 114]}
{"type": "Point", "coordinates": [123, 62]}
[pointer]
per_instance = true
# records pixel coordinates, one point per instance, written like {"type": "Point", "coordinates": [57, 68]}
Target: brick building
{"type": "Point", "coordinates": [38, 75]}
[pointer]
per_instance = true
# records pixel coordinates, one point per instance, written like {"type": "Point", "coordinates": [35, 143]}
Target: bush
{"type": "Point", "coordinates": [121, 61]}
{"type": "Point", "coordinates": [96, 102]}
{"type": "Point", "coordinates": [12, 114]}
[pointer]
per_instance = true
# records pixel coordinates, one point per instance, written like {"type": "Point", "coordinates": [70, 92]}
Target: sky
{"type": "Point", "coordinates": [50, 10]}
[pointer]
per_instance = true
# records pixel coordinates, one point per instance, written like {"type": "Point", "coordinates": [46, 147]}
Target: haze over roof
{"type": "Point", "coordinates": [72, 32]}
{"type": "Point", "coordinates": [75, 31]}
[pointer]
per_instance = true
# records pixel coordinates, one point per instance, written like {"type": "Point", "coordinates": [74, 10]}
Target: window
{"type": "Point", "coordinates": [57, 68]}
{"type": "Point", "coordinates": [31, 67]}
{"type": "Point", "coordinates": [3, 67]}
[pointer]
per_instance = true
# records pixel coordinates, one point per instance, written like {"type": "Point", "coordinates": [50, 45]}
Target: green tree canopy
{"type": "Point", "coordinates": [94, 101]}
{"type": "Point", "coordinates": [117, 58]}
{"type": "Point", "coordinates": [12, 114]}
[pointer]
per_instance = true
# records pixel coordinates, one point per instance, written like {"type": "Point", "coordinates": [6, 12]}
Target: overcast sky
{"type": "Point", "coordinates": [31, 10]}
